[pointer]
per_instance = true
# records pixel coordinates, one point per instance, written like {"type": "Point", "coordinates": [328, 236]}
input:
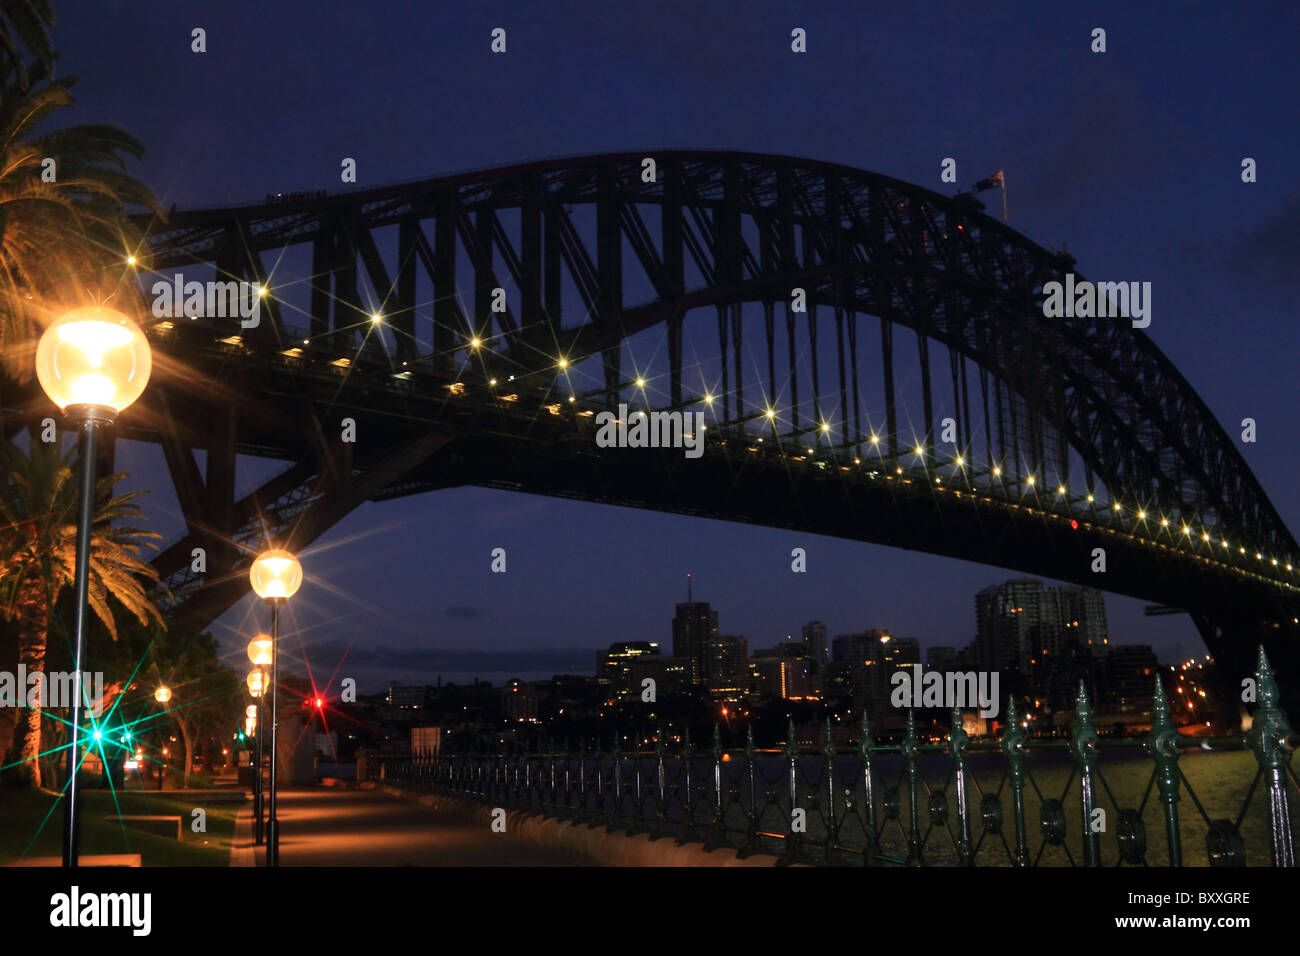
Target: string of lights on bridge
{"type": "Point", "coordinates": [961, 466]}
{"type": "Point", "coordinates": [1179, 530]}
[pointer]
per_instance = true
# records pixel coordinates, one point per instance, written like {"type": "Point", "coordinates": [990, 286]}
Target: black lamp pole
{"type": "Point", "coordinates": [272, 824]}
{"type": "Point", "coordinates": [257, 772]}
{"type": "Point", "coordinates": [90, 418]}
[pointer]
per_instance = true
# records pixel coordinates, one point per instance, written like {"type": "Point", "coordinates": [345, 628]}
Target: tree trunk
{"type": "Point", "coordinates": [25, 765]}
{"type": "Point", "coordinates": [54, 738]}
{"type": "Point", "coordinates": [189, 752]}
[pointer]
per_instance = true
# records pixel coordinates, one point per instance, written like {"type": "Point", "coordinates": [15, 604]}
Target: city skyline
{"type": "Point", "coordinates": [539, 665]}
{"type": "Point", "coordinates": [1037, 645]}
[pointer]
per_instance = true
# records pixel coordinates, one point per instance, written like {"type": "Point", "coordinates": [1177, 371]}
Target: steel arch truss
{"type": "Point", "coordinates": [599, 252]}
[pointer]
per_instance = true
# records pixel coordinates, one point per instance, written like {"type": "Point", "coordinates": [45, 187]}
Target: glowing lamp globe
{"type": "Point", "coordinates": [94, 357]}
{"type": "Point", "coordinates": [257, 682]}
{"type": "Point", "coordinates": [251, 711]}
{"type": "Point", "coordinates": [259, 650]}
{"type": "Point", "coordinates": [275, 574]}
{"type": "Point", "coordinates": [163, 694]}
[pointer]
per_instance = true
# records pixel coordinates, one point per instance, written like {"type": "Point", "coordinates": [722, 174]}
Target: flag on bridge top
{"type": "Point", "coordinates": [993, 182]}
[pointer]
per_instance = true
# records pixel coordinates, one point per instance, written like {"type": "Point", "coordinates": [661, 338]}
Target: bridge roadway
{"type": "Point", "coordinates": [324, 826]}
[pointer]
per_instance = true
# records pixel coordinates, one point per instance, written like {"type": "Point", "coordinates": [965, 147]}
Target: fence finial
{"type": "Point", "coordinates": [1266, 685]}
{"type": "Point", "coordinates": [958, 740]}
{"type": "Point", "coordinates": [1159, 705]}
{"type": "Point", "coordinates": [1269, 738]}
{"type": "Point", "coordinates": [1162, 745]}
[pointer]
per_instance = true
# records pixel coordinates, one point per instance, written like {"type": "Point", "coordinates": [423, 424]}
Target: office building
{"type": "Point", "coordinates": [1128, 680]}
{"type": "Point", "coordinates": [410, 696]}
{"type": "Point", "coordinates": [614, 667]}
{"type": "Point", "coordinates": [693, 627]}
{"type": "Point", "coordinates": [726, 667]}
{"type": "Point", "coordinates": [783, 671]}
{"type": "Point", "coordinates": [814, 645]}
{"type": "Point", "coordinates": [519, 701]}
{"type": "Point", "coordinates": [942, 657]}
{"type": "Point", "coordinates": [1083, 619]}
{"type": "Point", "coordinates": [1018, 626]}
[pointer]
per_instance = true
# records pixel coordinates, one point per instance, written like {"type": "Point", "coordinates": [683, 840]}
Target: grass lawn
{"type": "Point", "coordinates": [33, 826]}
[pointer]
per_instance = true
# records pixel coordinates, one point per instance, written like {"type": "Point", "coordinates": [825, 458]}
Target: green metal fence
{"type": "Point", "coordinates": [1085, 801]}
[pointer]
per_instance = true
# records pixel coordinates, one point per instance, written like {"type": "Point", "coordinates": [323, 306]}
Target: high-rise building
{"type": "Point", "coordinates": [670, 674]}
{"type": "Point", "coordinates": [1083, 619]}
{"type": "Point", "coordinates": [726, 667]}
{"type": "Point", "coordinates": [783, 671]}
{"type": "Point", "coordinates": [1128, 680]}
{"type": "Point", "coordinates": [519, 701]}
{"type": "Point", "coordinates": [871, 659]}
{"type": "Point", "coordinates": [898, 652]}
{"type": "Point", "coordinates": [887, 655]}
{"type": "Point", "coordinates": [847, 647]}
{"type": "Point", "coordinates": [1023, 626]}
{"type": "Point", "coordinates": [614, 667]}
{"type": "Point", "coordinates": [693, 627]}
{"type": "Point", "coordinates": [837, 680]}
{"type": "Point", "coordinates": [410, 696]}
{"type": "Point", "coordinates": [1076, 663]}
{"type": "Point", "coordinates": [1018, 626]}
{"type": "Point", "coordinates": [942, 657]}
{"type": "Point", "coordinates": [1041, 633]}
{"type": "Point", "coordinates": [864, 646]}
{"type": "Point", "coordinates": [814, 645]}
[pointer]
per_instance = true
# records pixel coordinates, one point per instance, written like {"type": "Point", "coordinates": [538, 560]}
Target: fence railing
{"type": "Point", "coordinates": [881, 804]}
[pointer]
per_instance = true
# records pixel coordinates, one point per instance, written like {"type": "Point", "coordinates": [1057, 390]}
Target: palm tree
{"type": "Point", "coordinates": [64, 202]}
{"type": "Point", "coordinates": [38, 543]}
{"type": "Point", "coordinates": [25, 24]}
{"type": "Point", "coordinates": [64, 193]}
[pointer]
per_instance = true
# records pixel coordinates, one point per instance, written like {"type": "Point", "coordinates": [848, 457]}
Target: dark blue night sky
{"type": "Point", "coordinates": [1131, 157]}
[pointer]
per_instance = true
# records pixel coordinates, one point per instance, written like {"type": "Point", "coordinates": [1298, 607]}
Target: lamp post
{"type": "Point", "coordinates": [163, 694]}
{"type": "Point", "coordinates": [275, 576]}
{"type": "Point", "coordinates": [250, 731]}
{"type": "Point", "coordinates": [92, 363]}
{"type": "Point", "coordinates": [257, 681]}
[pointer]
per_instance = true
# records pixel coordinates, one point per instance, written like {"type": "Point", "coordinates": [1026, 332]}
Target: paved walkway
{"type": "Point", "coordinates": [324, 826]}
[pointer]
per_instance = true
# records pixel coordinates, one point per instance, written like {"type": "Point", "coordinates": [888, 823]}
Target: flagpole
{"type": "Point", "coordinates": [1004, 197]}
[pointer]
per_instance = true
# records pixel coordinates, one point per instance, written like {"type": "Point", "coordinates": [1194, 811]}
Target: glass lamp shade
{"type": "Point", "coordinates": [257, 682]}
{"type": "Point", "coordinates": [250, 726]}
{"type": "Point", "coordinates": [275, 574]}
{"type": "Point", "coordinates": [251, 711]}
{"type": "Point", "coordinates": [259, 650]}
{"type": "Point", "coordinates": [163, 694]}
{"type": "Point", "coordinates": [94, 356]}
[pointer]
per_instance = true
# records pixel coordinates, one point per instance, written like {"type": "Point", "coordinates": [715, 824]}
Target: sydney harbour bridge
{"type": "Point", "coordinates": [871, 358]}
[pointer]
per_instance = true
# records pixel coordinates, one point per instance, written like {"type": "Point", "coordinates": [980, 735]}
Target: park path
{"type": "Point", "coordinates": [326, 826]}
